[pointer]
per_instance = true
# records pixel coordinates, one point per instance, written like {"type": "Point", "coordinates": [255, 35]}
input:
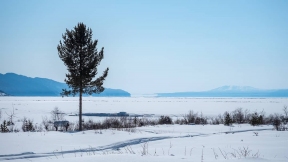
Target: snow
{"type": "Point", "coordinates": [167, 143]}
{"type": "Point", "coordinates": [235, 88]}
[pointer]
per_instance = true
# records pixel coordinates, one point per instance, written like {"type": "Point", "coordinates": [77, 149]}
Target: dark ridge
{"type": "Point", "coordinates": [20, 85]}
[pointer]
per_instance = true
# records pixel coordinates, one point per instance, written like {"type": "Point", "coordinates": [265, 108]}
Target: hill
{"type": "Point", "coordinates": [20, 85]}
{"type": "Point", "coordinates": [230, 91]}
{"type": "Point", "coordinates": [3, 93]}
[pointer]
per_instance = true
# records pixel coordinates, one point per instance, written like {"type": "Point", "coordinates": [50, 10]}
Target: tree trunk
{"type": "Point", "coordinates": [80, 110]}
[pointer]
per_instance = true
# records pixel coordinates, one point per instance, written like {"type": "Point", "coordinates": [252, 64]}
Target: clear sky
{"type": "Point", "coordinates": [154, 46]}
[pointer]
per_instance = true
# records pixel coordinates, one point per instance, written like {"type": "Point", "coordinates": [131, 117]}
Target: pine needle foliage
{"type": "Point", "coordinates": [79, 53]}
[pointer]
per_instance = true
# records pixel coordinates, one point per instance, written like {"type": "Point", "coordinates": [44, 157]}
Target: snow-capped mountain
{"type": "Point", "coordinates": [233, 88]}
{"type": "Point", "coordinates": [230, 91]}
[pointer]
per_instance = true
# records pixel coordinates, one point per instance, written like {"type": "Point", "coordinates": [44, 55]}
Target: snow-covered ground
{"type": "Point", "coordinates": [153, 143]}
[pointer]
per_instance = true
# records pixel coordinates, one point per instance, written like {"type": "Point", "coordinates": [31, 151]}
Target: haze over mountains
{"type": "Point", "coordinates": [18, 85]}
{"type": "Point", "coordinates": [231, 91]}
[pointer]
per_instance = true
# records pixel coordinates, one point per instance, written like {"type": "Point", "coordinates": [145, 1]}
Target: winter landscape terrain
{"type": "Point", "coordinates": [166, 142]}
{"type": "Point", "coordinates": [144, 81]}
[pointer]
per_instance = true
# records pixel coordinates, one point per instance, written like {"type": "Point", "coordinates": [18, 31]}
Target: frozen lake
{"type": "Point", "coordinates": [36, 107]}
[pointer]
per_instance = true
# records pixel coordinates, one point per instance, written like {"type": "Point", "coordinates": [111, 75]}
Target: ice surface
{"type": "Point", "coordinates": [36, 107]}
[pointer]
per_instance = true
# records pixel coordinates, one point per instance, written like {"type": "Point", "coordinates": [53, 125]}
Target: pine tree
{"type": "Point", "coordinates": [79, 53]}
{"type": "Point", "coordinates": [260, 120]}
{"type": "Point", "coordinates": [255, 119]}
{"type": "Point", "coordinates": [227, 120]}
{"type": "Point", "coordinates": [3, 127]}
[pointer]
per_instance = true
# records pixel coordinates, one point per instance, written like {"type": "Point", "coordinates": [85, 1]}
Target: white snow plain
{"type": "Point", "coordinates": [167, 143]}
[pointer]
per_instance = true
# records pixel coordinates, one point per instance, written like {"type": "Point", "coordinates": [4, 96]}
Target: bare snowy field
{"type": "Point", "coordinates": [153, 143]}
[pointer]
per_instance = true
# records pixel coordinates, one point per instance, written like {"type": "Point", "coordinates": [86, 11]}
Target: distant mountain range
{"type": "Point", "coordinates": [230, 91]}
{"type": "Point", "coordinates": [18, 85]}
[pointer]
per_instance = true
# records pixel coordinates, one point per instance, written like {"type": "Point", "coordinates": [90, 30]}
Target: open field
{"type": "Point", "coordinates": [239, 142]}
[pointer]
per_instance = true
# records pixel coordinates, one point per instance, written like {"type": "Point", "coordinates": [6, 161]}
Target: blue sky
{"type": "Point", "coordinates": [154, 46]}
